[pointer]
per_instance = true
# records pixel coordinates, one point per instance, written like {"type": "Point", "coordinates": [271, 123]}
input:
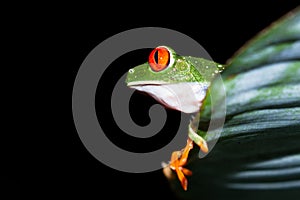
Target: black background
{"type": "Point", "coordinates": [66, 36]}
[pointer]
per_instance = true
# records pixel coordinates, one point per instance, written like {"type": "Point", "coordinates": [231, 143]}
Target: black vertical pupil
{"type": "Point", "coordinates": [156, 56]}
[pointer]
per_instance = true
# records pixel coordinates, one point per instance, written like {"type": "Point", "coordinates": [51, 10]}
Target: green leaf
{"type": "Point", "coordinates": [258, 153]}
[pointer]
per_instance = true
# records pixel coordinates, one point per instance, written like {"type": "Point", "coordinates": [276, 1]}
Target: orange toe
{"type": "Point", "coordinates": [203, 146]}
{"type": "Point", "coordinates": [182, 178]}
{"type": "Point", "coordinates": [186, 171]}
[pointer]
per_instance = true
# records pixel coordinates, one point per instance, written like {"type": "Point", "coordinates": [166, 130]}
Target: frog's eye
{"type": "Point", "coordinates": [159, 58]}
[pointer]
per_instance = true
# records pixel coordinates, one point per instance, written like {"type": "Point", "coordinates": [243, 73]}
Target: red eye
{"type": "Point", "coordinates": [159, 58]}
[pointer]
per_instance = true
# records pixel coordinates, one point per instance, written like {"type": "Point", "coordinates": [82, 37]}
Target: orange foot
{"type": "Point", "coordinates": [179, 159]}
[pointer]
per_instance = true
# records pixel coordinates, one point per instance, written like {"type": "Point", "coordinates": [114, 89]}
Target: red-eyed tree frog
{"type": "Point", "coordinates": [180, 83]}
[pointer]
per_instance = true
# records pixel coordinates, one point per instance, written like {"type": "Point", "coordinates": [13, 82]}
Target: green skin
{"type": "Point", "coordinates": [184, 69]}
{"type": "Point", "coordinates": [181, 70]}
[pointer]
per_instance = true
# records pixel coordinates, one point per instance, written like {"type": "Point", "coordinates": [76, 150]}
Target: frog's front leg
{"type": "Point", "coordinates": [179, 158]}
{"type": "Point", "coordinates": [198, 140]}
{"type": "Point", "coordinates": [192, 133]}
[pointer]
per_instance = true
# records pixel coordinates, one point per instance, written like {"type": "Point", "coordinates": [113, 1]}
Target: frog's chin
{"type": "Point", "coordinates": [185, 97]}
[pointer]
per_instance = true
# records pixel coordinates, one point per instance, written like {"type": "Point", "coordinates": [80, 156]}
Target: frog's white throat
{"type": "Point", "coordinates": [186, 97]}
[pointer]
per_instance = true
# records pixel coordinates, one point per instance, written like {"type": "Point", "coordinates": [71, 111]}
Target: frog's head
{"type": "Point", "coordinates": [178, 82]}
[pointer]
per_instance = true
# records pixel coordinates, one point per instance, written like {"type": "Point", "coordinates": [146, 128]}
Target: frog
{"type": "Point", "coordinates": [180, 83]}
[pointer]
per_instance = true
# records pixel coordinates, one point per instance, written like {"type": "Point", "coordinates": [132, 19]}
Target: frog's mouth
{"type": "Point", "coordinates": [185, 97]}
